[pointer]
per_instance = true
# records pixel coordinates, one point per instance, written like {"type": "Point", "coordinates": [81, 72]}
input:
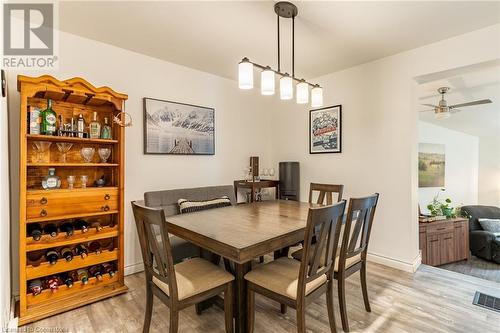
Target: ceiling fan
{"type": "Point", "coordinates": [443, 110]}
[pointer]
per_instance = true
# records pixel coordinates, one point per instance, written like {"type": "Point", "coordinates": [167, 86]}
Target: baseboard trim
{"type": "Point", "coordinates": [394, 263]}
{"type": "Point", "coordinates": [133, 268]}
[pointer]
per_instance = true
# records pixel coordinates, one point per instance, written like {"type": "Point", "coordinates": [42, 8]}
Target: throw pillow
{"type": "Point", "coordinates": [188, 206]}
{"type": "Point", "coordinates": [491, 225]}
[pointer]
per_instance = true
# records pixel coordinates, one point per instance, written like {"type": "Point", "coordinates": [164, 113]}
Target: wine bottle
{"type": "Point", "coordinates": [83, 275]}
{"type": "Point", "coordinates": [67, 279]}
{"type": "Point", "coordinates": [68, 228]}
{"type": "Point", "coordinates": [106, 130]}
{"type": "Point", "coordinates": [35, 287]}
{"type": "Point", "coordinates": [94, 128]}
{"type": "Point", "coordinates": [95, 247]}
{"type": "Point", "coordinates": [96, 271]}
{"type": "Point", "coordinates": [35, 231]}
{"type": "Point", "coordinates": [109, 268]}
{"type": "Point", "coordinates": [51, 256]}
{"type": "Point", "coordinates": [80, 125]}
{"type": "Point", "coordinates": [81, 250]}
{"type": "Point", "coordinates": [50, 229]}
{"type": "Point", "coordinates": [82, 225]}
{"type": "Point", "coordinates": [35, 258]}
{"type": "Point", "coordinates": [67, 253]}
{"type": "Point", "coordinates": [52, 283]}
{"type": "Point", "coordinates": [48, 126]}
{"type": "Point", "coordinates": [97, 226]}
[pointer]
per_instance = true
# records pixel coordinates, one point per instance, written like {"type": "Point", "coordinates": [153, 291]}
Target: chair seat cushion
{"type": "Point", "coordinates": [281, 276]}
{"type": "Point", "coordinates": [195, 276]}
{"type": "Point", "coordinates": [349, 261]}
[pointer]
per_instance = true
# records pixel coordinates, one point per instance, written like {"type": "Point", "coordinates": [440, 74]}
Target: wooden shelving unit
{"type": "Point", "coordinates": [102, 204]}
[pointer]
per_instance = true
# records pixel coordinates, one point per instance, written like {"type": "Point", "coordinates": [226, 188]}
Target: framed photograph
{"type": "Point", "coordinates": [325, 130]}
{"type": "Point", "coordinates": [431, 164]}
{"type": "Point", "coordinates": [177, 128]}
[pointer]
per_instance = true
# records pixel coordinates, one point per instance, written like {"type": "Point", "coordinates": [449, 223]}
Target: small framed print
{"type": "Point", "coordinates": [325, 130]}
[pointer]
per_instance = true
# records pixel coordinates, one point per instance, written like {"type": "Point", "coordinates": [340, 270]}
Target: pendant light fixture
{"type": "Point", "coordinates": [246, 67]}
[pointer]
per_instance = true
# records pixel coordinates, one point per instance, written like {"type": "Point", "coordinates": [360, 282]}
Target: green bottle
{"type": "Point", "coordinates": [48, 126]}
{"type": "Point", "coordinates": [106, 130]}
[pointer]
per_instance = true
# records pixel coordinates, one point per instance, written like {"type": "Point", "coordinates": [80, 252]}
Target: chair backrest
{"type": "Point", "coordinates": [155, 245]}
{"type": "Point", "coordinates": [328, 220]}
{"type": "Point", "coordinates": [326, 191]}
{"type": "Point", "coordinates": [357, 228]}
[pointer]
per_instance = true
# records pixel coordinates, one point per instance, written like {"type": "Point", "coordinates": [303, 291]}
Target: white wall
{"type": "Point", "coordinates": [240, 127]}
{"type": "Point", "coordinates": [489, 171]}
{"type": "Point", "coordinates": [379, 101]}
{"type": "Point", "coordinates": [461, 165]}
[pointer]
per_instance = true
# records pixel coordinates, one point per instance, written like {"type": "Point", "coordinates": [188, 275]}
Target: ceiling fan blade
{"type": "Point", "coordinates": [426, 110]}
{"type": "Point", "coordinates": [432, 106]}
{"type": "Point", "coordinates": [454, 110]}
{"type": "Point", "coordinates": [483, 101]}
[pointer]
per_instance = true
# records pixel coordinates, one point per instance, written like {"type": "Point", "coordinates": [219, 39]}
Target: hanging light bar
{"type": "Point", "coordinates": [286, 10]}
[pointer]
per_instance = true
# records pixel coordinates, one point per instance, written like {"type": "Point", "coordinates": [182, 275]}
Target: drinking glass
{"type": "Point", "coordinates": [272, 172]}
{"type": "Point", "coordinates": [84, 179]}
{"type": "Point", "coordinates": [64, 147]}
{"type": "Point", "coordinates": [104, 154]}
{"type": "Point", "coordinates": [87, 154]}
{"type": "Point", "coordinates": [40, 147]}
{"type": "Point", "coordinates": [71, 182]}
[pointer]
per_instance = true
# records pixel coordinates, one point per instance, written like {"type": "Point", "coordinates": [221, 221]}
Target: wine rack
{"type": "Point", "coordinates": [87, 201]}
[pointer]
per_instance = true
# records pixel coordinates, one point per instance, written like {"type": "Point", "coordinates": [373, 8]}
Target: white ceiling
{"type": "Point", "coordinates": [480, 120]}
{"type": "Point", "coordinates": [214, 36]}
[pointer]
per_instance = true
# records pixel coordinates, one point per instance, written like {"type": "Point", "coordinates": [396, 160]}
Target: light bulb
{"type": "Point", "coordinates": [302, 93]}
{"type": "Point", "coordinates": [316, 97]}
{"type": "Point", "coordinates": [286, 87]}
{"type": "Point", "coordinates": [267, 82]}
{"type": "Point", "coordinates": [245, 74]}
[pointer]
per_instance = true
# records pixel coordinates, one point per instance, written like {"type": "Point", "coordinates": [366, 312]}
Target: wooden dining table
{"type": "Point", "coordinates": [240, 234]}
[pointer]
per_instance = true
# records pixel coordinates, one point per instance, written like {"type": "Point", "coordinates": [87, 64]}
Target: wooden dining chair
{"type": "Point", "coordinates": [354, 248]}
{"type": "Point", "coordinates": [181, 285]}
{"type": "Point", "coordinates": [297, 284]}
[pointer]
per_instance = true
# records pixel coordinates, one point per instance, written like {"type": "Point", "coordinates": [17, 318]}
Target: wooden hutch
{"type": "Point", "coordinates": [102, 205]}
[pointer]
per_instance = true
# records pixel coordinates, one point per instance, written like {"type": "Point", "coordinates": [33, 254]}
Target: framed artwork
{"type": "Point", "coordinates": [431, 164]}
{"type": "Point", "coordinates": [177, 128]}
{"type": "Point", "coordinates": [325, 130]}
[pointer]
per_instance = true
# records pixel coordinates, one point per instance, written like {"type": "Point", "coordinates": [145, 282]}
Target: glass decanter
{"type": "Point", "coordinates": [51, 181]}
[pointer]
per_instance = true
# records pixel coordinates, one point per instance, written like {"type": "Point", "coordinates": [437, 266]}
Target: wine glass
{"type": "Point", "coordinates": [272, 172]}
{"type": "Point", "coordinates": [84, 179]}
{"type": "Point", "coordinates": [40, 147]}
{"type": "Point", "coordinates": [87, 154]}
{"type": "Point", "coordinates": [71, 182]}
{"type": "Point", "coordinates": [63, 148]}
{"type": "Point", "coordinates": [104, 154]}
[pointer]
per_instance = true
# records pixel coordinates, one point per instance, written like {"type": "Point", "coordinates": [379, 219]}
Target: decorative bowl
{"type": "Point", "coordinates": [87, 154]}
{"type": "Point", "coordinates": [104, 154]}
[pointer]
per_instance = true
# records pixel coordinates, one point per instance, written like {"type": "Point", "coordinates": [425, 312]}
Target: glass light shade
{"type": "Point", "coordinates": [316, 97]}
{"type": "Point", "coordinates": [442, 115]}
{"type": "Point", "coordinates": [267, 82]}
{"type": "Point", "coordinates": [302, 93]}
{"type": "Point", "coordinates": [286, 87]}
{"type": "Point", "coordinates": [245, 75]}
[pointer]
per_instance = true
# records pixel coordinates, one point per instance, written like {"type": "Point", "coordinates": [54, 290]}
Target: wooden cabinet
{"type": "Point", "coordinates": [100, 207]}
{"type": "Point", "coordinates": [445, 241]}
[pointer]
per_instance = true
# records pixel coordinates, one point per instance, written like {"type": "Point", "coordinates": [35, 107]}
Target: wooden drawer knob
{"type": "Point", "coordinates": [107, 197]}
{"type": "Point", "coordinates": [105, 208]}
{"type": "Point", "coordinates": [43, 213]}
{"type": "Point", "coordinates": [43, 201]}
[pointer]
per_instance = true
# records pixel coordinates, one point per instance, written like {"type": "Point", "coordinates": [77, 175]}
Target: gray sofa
{"type": "Point", "coordinates": [167, 200]}
{"type": "Point", "coordinates": [483, 244]}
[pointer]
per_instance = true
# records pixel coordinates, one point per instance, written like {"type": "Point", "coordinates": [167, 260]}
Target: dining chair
{"type": "Point", "coordinates": [181, 285]}
{"type": "Point", "coordinates": [354, 248]}
{"type": "Point", "coordinates": [297, 284]}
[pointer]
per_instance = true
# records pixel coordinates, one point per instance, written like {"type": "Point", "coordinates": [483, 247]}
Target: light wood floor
{"type": "Point", "coordinates": [477, 267]}
{"type": "Point", "coordinates": [431, 300]}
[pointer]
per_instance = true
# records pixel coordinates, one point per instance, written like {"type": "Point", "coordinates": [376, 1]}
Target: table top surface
{"type": "Point", "coordinates": [237, 230]}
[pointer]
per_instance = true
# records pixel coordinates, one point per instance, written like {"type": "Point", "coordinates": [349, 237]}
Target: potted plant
{"type": "Point", "coordinates": [438, 207]}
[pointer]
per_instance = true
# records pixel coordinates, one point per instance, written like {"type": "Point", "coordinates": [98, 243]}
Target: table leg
{"type": "Point", "coordinates": [240, 296]}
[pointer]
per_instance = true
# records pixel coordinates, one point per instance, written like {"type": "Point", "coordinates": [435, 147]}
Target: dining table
{"type": "Point", "coordinates": [241, 233]}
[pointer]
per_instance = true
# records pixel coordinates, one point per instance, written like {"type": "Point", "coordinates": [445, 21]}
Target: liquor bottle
{"type": "Point", "coordinates": [82, 225]}
{"type": "Point", "coordinates": [51, 181]}
{"type": "Point", "coordinates": [35, 287]}
{"type": "Point", "coordinates": [51, 256]}
{"type": "Point", "coordinates": [68, 228]}
{"type": "Point", "coordinates": [94, 128]}
{"type": "Point", "coordinates": [50, 229]}
{"type": "Point", "coordinates": [80, 125]}
{"type": "Point", "coordinates": [81, 250]}
{"type": "Point", "coordinates": [67, 253]}
{"type": "Point", "coordinates": [60, 128]}
{"type": "Point", "coordinates": [97, 226]}
{"type": "Point", "coordinates": [109, 268]}
{"type": "Point", "coordinates": [106, 130]}
{"type": "Point", "coordinates": [48, 126]}
{"type": "Point", "coordinates": [35, 258]}
{"type": "Point", "coordinates": [83, 275]}
{"type": "Point", "coordinates": [95, 247]}
{"type": "Point", "coordinates": [96, 271]}
{"type": "Point", "coordinates": [52, 283]}
{"type": "Point", "coordinates": [34, 120]}
{"type": "Point", "coordinates": [35, 231]}
{"type": "Point", "coordinates": [73, 127]}
{"type": "Point", "coordinates": [67, 279]}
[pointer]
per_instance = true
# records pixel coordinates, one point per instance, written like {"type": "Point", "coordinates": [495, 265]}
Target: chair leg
{"type": "Point", "coordinates": [250, 310]}
{"type": "Point", "coordinates": [364, 287]}
{"type": "Point", "coordinates": [330, 307]}
{"type": "Point", "coordinates": [261, 259]}
{"type": "Point", "coordinates": [301, 318]}
{"type": "Point", "coordinates": [342, 303]}
{"type": "Point", "coordinates": [228, 307]}
{"type": "Point", "coordinates": [174, 321]}
{"type": "Point", "coordinates": [283, 308]}
{"type": "Point", "coordinates": [149, 308]}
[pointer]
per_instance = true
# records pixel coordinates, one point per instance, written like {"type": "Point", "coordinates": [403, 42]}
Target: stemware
{"type": "Point", "coordinates": [84, 179]}
{"type": "Point", "coordinates": [87, 154]}
{"type": "Point", "coordinates": [63, 148]}
{"type": "Point", "coordinates": [40, 147]}
{"type": "Point", "coordinates": [104, 154]}
{"type": "Point", "coordinates": [71, 182]}
{"type": "Point", "coordinates": [272, 172]}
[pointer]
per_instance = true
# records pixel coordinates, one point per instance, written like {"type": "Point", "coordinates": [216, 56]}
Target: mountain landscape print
{"type": "Point", "coordinates": [177, 128]}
